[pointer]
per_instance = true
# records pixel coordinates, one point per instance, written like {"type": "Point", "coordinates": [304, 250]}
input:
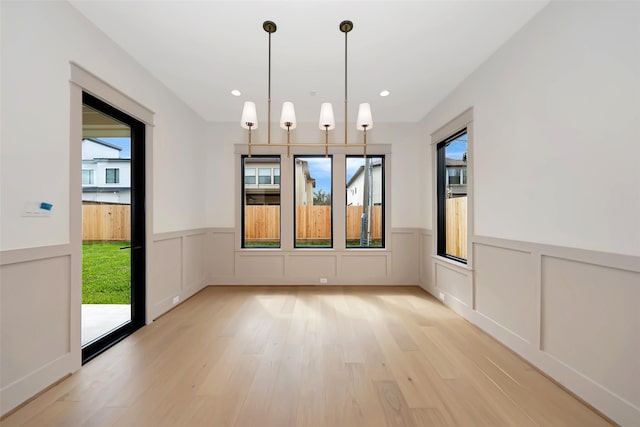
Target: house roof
{"type": "Point", "coordinates": [455, 162]}
{"type": "Point", "coordinates": [105, 143]}
{"type": "Point", "coordinates": [105, 189]}
{"type": "Point", "coordinates": [105, 160]}
{"type": "Point", "coordinates": [305, 171]}
{"type": "Point", "coordinates": [260, 159]}
{"type": "Point", "coordinates": [360, 169]}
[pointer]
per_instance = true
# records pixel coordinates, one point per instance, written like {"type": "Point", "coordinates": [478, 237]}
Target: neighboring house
{"type": "Point", "coordinates": [355, 186]}
{"type": "Point", "coordinates": [305, 183]}
{"type": "Point", "coordinates": [456, 177]}
{"type": "Point", "coordinates": [262, 181]}
{"type": "Point", "coordinates": [106, 178]}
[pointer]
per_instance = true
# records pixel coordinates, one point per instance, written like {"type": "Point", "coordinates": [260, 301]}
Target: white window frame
{"type": "Point", "coordinates": [92, 175]}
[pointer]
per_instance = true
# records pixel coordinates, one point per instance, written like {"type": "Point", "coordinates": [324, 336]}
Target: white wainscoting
{"type": "Point", "coordinates": [179, 268]}
{"type": "Point", "coordinates": [572, 313]}
{"type": "Point", "coordinates": [35, 318]}
{"type": "Point", "coordinates": [395, 265]}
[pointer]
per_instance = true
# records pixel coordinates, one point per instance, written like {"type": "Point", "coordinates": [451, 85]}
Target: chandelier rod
{"type": "Point", "coordinates": [270, 27]}
{"type": "Point", "coordinates": [345, 27]}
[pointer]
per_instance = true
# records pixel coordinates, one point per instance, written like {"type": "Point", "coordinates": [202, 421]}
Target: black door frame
{"type": "Point", "coordinates": [138, 248]}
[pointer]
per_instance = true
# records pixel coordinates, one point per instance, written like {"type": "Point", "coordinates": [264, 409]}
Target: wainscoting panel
{"type": "Point", "coordinates": [260, 265]}
{"type": "Point", "coordinates": [43, 293]}
{"type": "Point", "coordinates": [195, 274]}
{"type": "Point", "coordinates": [398, 264]}
{"type": "Point", "coordinates": [369, 267]}
{"type": "Point", "coordinates": [427, 267]}
{"type": "Point", "coordinates": [35, 319]}
{"type": "Point", "coordinates": [179, 268]}
{"type": "Point", "coordinates": [505, 288]}
{"type": "Point", "coordinates": [455, 283]}
{"type": "Point", "coordinates": [405, 258]}
{"type": "Point", "coordinates": [221, 257]}
{"type": "Point", "coordinates": [591, 322]}
{"type": "Point", "coordinates": [167, 272]}
{"type": "Point", "coordinates": [572, 313]}
{"type": "Point", "coordinates": [313, 266]}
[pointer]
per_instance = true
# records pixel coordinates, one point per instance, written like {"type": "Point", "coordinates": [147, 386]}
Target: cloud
{"type": "Point", "coordinates": [319, 167]}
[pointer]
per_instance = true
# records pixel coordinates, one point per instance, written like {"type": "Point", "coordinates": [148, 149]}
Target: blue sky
{"type": "Point", "coordinates": [124, 143]}
{"type": "Point", "coordinates": [320, 169]}
{"type": "Point", "coordinates": [457, 148]}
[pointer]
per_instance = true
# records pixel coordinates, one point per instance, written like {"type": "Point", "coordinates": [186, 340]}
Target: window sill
{"type": "Point", "coordinates": [447, 261]}
{"type": "Point", "coordinates": [358, 251]}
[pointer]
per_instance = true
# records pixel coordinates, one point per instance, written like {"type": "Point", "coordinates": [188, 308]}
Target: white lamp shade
{"type": "Point", "coordinates": [249, 115]}
{"type": "Point", "coordinates": [327, 121]}
{"type": "Point", "coordinates": [364, 117]}
{"type": "Point", "coordinates": [288, 116]}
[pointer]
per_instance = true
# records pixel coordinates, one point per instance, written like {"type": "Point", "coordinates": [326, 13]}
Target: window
{"type": "Point", "coordinates": [452, 196]}
{"type": "Point", "coordinates": [365, 202]}
{"type": "Point", "coordinates": [312, 183]}
{"type": "Point", "coordinates": [112, 176]}
{"type": "Point", "coordinates": [249, 176]}
{"type": "Point", "coordinates": [260, 203]}
{"type": "Point", "coordinates": [276, 176]}
{"type": "Point", "coordinates": [453, 175]}
{"type": "Point", "coordinates": [264, 175]}
{"type": "Point", "coordinates": [87, 177]}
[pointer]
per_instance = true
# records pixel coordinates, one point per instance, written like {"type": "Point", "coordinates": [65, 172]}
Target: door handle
{"type": "Point", "coordinates": [131, 247]}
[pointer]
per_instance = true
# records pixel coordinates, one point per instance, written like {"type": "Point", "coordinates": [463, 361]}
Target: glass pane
{"type": "Point", "coordinates": [264, 175]}
{"type": "Point", "coordinates": [112, 176]}
{"type": "Point", "coordinates": [456, 202]}
{"type": "Point", "coordinates": [106, 225]}
{"type": "Point", "coordinates": [454, 176]}
{"type": "Point", "coordinates": [365, 202]}
{"type": "Point", "coordinates": [261, 203]}
{"type": "Point", "coordinates": [249, 176]}
{"type": "Point", "coordinates": [312, 181]}
{"type": "Point", "coordinates": [87, 177]}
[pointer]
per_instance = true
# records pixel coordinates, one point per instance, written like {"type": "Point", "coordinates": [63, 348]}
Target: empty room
{"type": "Point", "coordinates": [319, 213]}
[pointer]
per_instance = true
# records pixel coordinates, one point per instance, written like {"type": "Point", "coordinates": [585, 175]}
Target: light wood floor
{"type": "Point", "coordinates": [313, 356]}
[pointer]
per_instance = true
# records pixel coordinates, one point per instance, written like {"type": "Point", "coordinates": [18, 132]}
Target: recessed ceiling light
{"type": "Point", "coordinates": [385, 93]}
{"type": "Point", "coordinates": [236, 92]}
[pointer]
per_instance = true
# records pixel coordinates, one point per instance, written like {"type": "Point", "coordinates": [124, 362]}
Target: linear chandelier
{"type": "Point", "coordinates": [288, 121]}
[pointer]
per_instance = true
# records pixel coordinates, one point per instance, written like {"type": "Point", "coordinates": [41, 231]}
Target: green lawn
{"type": "Point", "coordinates": [106, 273]}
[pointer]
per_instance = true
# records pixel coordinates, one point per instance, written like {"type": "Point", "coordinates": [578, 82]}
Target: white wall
{"type": "Point", "coordinates": [396, 264]}
{"type": "Point", "coordinates": [406, 209]}
{"type": "Point", "coordinates": [556, 111]}
{"type": "Point", "coordinates": [35, 123]}
{"type": "Point", "coordinates": [555, 266]}
{"type": "Point", "coordinates": [39, 262]}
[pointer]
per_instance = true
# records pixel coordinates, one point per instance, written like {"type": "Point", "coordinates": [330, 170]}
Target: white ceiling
{"type": "Point", "coordinates": [418, 50]}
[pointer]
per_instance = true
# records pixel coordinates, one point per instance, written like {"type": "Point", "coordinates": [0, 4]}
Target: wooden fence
{"type": "Point", "coordinates": [354, 214]}
{"type": "Point", "coordinates": [313, 222]}
{"type": "Point", "coordinates": [262, 223]}
{"type": "Point", "coordinates": [457, 227]}
{"type": "Point", "coordinates": [106, 222]}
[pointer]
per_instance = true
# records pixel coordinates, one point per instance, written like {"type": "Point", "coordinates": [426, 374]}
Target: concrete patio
{"type": "Point", "coordinates": [100, 319]}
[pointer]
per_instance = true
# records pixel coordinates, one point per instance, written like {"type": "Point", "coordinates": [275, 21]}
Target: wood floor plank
{"type": "Point", "coordinates": [395, 407]}
{"type": "Point", "coordinates": [307, 356]}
